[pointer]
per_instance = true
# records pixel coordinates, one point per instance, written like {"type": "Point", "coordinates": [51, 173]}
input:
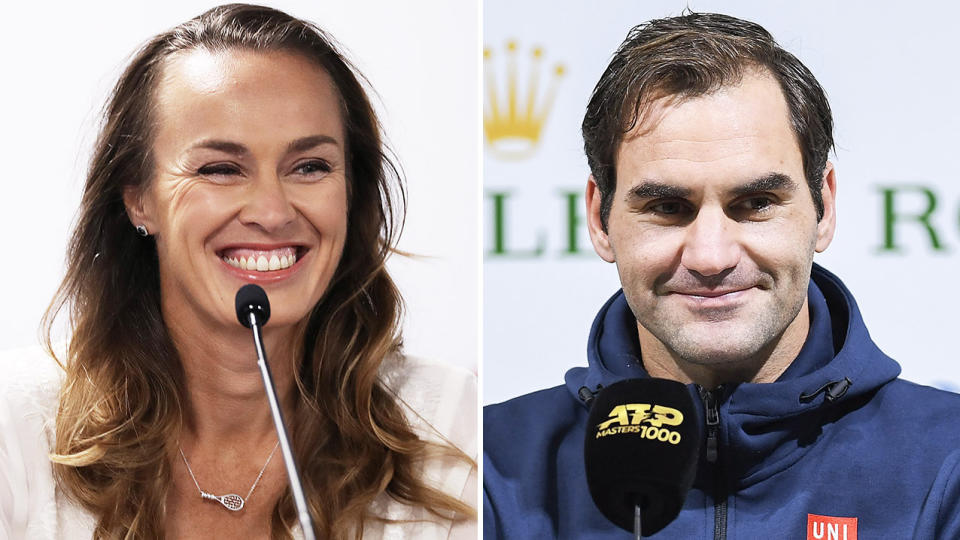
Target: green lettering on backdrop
{"type": "Point", "coordinates": [500, 247]}
{"type": "Point", "coordinates": [574, 221]}
{"type": "Point", "coordinates": [891, 217]}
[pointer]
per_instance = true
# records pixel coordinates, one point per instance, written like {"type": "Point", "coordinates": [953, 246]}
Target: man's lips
{"type": "Point", "coordinates": [710, 293]}
{"type": "Point", "coordinates": [714, 298]}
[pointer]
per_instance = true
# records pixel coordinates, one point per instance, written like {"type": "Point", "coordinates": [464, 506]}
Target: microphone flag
{"type": "Point", "coordinates": [642, 443]}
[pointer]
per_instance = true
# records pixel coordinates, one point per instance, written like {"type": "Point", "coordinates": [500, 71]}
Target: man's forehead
{"type": "Point", "coordinates": [755, 94]}
{"type": "Point", "coordinates": [647, 110]}
{"type": "Point", "coordinates": [742, 126]}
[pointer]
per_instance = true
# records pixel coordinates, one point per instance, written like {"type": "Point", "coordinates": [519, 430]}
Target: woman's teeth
{"type": "Point", "coordinates": [263, 262]}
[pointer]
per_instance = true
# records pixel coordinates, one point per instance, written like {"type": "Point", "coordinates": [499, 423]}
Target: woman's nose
{"type": "Point", "coordinates": [267, 205]}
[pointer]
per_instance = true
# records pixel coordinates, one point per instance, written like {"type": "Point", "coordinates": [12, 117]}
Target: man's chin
{"type": "Point", "coordinates": [714, 348]}
{"type": "Point", "coordinates": [712, 358]}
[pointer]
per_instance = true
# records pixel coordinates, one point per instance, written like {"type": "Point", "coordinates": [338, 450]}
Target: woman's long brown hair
{"type": "Point", "coordinates": [122, 402]}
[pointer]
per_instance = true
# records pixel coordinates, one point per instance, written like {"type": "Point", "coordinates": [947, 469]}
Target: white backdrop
{"type": "Point", "coordinates": [60, 61]}
{"type": "Point", "coordinates": [890, 73]}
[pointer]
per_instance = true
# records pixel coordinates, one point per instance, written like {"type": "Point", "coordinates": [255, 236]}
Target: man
{"type": "Point", "coordinates": [711, 191]}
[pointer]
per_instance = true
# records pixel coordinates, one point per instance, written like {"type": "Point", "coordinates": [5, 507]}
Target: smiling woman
{"type": "Point", "coordinates": [239, 147]}
{"type": "Point", "coordinates": [230, 193]}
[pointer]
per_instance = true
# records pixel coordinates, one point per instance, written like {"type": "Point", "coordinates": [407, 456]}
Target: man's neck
{"type": "Point", "coordinates": [763, 367]}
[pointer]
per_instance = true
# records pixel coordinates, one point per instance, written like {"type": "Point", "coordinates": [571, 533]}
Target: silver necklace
{"type": "Point", "coordinates": [230, 501]}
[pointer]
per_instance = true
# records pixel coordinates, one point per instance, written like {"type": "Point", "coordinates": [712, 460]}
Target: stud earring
{"type": "Point", "coordinates": [142, 231]}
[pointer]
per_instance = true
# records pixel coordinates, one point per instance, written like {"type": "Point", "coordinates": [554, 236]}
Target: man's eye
{"type": "Point", "coordinates": [756, 203]}
{"type": "Point", "coordinates": [668, 208]}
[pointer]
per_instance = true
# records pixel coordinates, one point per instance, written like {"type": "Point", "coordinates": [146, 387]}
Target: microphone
{"type": "Point", "coordinates": [252, 300]}
{"type": "Point", "coordinates": [253, 311]}
{"type": "Point", "coordinates": [642, 444]}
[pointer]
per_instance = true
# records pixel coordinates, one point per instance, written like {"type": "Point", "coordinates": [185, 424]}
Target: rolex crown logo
{"type": "Point", "coordinates": [512, 124]}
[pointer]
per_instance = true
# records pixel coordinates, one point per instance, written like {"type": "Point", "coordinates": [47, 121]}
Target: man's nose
{"type": "Point", "coordinates": [711, 244]}
{"type": "Point", "coordinates": [267, 204]}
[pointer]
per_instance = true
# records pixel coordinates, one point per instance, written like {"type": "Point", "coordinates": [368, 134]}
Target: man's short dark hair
{"type": "Point", "coordinates": [692, 55]}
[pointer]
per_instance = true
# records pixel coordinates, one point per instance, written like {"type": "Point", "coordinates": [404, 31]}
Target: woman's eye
{"type": "Point", "coordinates": [313, 167]}
{"type": "Point", "coordinates": [218, 169]}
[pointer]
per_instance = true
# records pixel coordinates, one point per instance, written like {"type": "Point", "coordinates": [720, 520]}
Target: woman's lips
{"type": "Point", "coordinates": [262, 265]}
{"type": "Point", "coordinates": [259, 260]}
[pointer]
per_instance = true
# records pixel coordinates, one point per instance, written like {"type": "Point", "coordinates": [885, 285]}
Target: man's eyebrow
{"type": "Point", "coordinates": [306, 143]}
{"type": "Point", "coordinates": [769, 182]}
{"type": "Point", "coordinates": [652, 189]}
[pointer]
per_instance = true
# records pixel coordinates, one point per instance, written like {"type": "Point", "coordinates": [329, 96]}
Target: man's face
{"type": "Point", "coordinates": [712, 226]}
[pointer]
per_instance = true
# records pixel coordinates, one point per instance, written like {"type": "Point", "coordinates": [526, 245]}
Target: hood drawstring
{"type": "Point", "coordinates": [587, 395]}
{"type": "Point", "coordinates": [833, 391]}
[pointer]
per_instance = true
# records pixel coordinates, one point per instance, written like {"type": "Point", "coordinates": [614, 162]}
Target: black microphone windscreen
{"type": "Point", "coordinates": [252, 299]}
{"type": "Point", "coordinates": [643, 441]}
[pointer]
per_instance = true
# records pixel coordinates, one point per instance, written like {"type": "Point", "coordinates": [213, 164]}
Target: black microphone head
{"type": "Point", "coordinates": [252, 299]}
{"type": "Point", "coordinates": [643, 441]}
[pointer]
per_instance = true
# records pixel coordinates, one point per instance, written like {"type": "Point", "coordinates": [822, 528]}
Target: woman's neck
{"type": "Point", "coordinates": [226, 401]}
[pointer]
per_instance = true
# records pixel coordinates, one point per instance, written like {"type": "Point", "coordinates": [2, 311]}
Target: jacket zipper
{"type": "Point", "coordinates": [710, 399]}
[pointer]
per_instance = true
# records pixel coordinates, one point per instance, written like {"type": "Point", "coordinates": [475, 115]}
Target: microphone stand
{"type": "Point", "coordinates": [636, 521]}
{"type": "Point", "coordinates": [306, 523]}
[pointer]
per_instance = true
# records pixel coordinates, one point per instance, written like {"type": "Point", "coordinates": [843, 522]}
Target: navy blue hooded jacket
{"type": "Point", "coordinates": [868, 445]}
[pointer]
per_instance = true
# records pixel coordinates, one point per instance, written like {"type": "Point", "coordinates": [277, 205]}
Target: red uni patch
{"type": "Point", "coordinates": [831, 528]}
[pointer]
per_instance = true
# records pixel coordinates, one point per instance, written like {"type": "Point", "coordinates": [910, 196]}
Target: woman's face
{"type": "Point", "coordinates": [249, 185]}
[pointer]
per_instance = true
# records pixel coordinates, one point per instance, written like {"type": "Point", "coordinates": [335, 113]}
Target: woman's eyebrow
{"type": "Point", "coordinates": [237, 149]}
{"type": "Point", "coordinates": [228, 147]}
{"type": "Point", "coordinates": [306, 143]}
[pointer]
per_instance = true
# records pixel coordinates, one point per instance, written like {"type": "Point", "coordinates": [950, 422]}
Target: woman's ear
{"type": "Point", "coordinates": [137, 211]}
